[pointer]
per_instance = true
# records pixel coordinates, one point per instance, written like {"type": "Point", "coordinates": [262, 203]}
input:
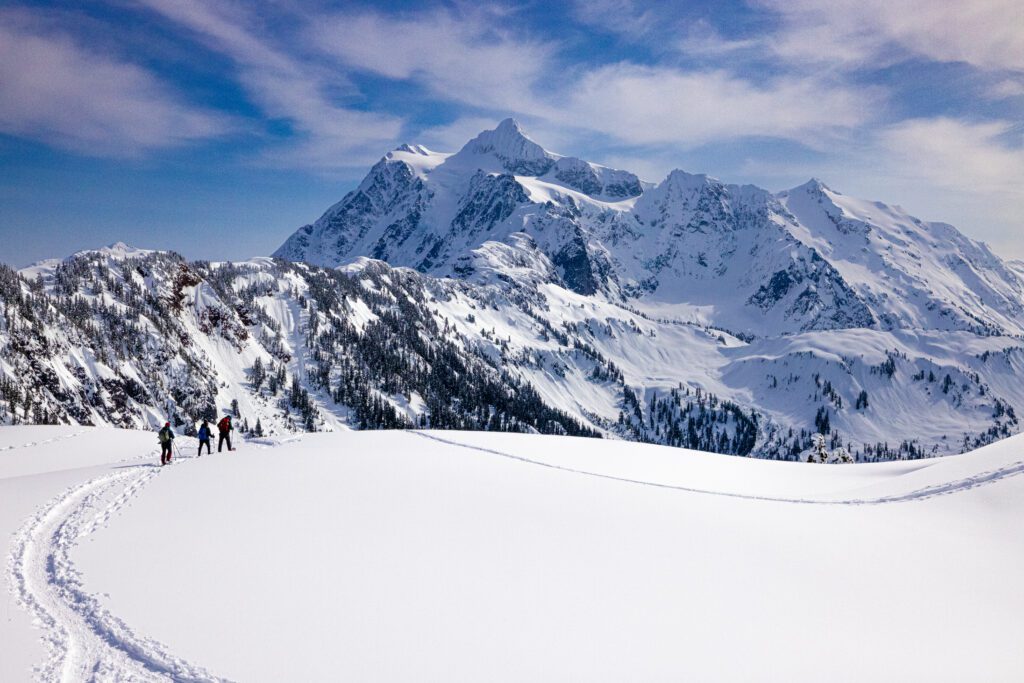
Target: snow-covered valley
{"type": "Point", "coordinates": [393, 555]}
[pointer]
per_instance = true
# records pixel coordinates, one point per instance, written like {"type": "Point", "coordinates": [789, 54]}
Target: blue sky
{"type": "Point", "coordinates": [217, 128]}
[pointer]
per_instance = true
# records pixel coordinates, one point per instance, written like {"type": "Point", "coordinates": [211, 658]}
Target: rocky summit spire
{"type": "Point", "coordinates": [510, 147]}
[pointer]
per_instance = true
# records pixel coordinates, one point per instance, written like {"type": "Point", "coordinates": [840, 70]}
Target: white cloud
{"type": "Point", "coordinates": [703, 40]}
{"type": "Point", "coordinates": [465, 58]}
{"type": "Point", "coordinates": [55, 90]}
{"type": "Point", "coordinates": [626, 17]}
{"type": "Point", "coordinates": [954, 154]}
{"type": "Point", "coordinates": [1005, 89]}
{"type": "Point", "coordinates": [289, 87]}
{"type": "Point", "coordinates": [651, 105]}
{"type": "Point", "coordinates": [984, 33]}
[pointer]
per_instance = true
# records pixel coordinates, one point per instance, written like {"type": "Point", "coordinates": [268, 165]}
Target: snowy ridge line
{"type": "Point", "coordinates": [44, 441]}
{"type": "Point", "coordinates": [916, 495]}
{"type": "Point", "coordinates": [84, 640]}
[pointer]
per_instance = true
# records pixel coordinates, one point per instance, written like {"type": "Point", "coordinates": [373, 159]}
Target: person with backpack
{"type": "Point", "coordinates": [204, 437]}
{"type": "Point", "coordinates": [224, 426]}
{"type": "Point", "coordinates": [166, 437]}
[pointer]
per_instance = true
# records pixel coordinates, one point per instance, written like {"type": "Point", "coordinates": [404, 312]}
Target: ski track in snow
{"type": "Point", "coordinates": [85, 642]}
{"type": "Point", "coordinates": [44, 441]}
{"type": "Point", "coordinates": [925, 493]}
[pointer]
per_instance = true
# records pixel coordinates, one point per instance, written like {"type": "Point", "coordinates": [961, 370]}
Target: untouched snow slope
{"type": "Point", "coordinates": [473, 556]}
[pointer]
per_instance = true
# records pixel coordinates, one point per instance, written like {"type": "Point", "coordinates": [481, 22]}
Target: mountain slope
{"type": "Point", "coordinates": [916, 274]}
{"type": "Point", "coordinates": [125, 337]}
{"type": "Point", "coordinates": [736, 257]}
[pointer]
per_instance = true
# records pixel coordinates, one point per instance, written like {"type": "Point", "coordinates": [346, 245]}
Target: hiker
{"type": "Point", "coordinates": [166, 437]}
{"type": "Point", "coordinates": [204, 437]}
{"type": "Point", "coordinates": [224, 426]}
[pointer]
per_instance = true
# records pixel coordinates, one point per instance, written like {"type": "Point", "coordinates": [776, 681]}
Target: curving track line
{"type": "Point", "coordinates": [925, 493]}
{"type": "Point", "coordinates": [43, 442]}
{"type": "Point", "coordinates": [85, 642]}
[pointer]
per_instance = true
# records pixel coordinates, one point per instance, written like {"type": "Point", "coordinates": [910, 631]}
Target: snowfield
{"type": "Point", "coordinates": [481, 556]}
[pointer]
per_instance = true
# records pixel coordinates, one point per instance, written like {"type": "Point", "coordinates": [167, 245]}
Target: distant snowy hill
{"type": "Point", "coordinates": [737, 257]}
{"type": "Point", "coordinates": [505, 287]}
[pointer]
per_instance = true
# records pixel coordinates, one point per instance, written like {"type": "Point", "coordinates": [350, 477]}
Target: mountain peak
{"type": "Point", "coordinates": [510, 124]}
{"type": "Point", "coordinates": [678, 175]}
{"type": "Point", "coordinates": [413, 149]}
{"type": "Point", "coordinates": [117, 250]}
{"type": "Point", "coordinates": [813, 185]}
{"type": "Point", "coordinates": [681, 181]}
{"type": "Point", "coordinates": [514, 151]}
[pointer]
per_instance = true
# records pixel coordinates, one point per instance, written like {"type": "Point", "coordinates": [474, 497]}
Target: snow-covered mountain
{"type": "Point", "coordinates": [508, 288]}
{"type": "Point", "coordinates": [129, 337]}
{"type": "Point", "coordinates": [737, 257]}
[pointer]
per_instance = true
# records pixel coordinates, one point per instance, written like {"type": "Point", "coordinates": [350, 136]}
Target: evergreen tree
{"type": "Point", "coordinates": [258, 374]}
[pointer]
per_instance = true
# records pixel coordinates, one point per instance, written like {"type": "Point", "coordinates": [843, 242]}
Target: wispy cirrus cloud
{"type": "Point", "coordinates": [466, 56]}
{"type": "Point", "coordinates": [55, 89]}
{"type": "Point", "coordinates": [1006, 89]}
{"type": "Point", "coordinates": [646, 105]}
{"type": "Point", "coordinates": [984, 33]}
{"type": "Point", "coordinates": [956, 154]}
{"type": "Point", "coordinates": [289, 85]}
{"type": "Point", "coordinates": [703, 39]}
{"type": "Point", "coordinates": [840, 33]}
{"type": "Point", "coordinates": [629, 18]}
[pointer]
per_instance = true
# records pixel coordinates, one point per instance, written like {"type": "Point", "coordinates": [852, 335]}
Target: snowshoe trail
{"type": "Point", "coordinates": [945, 488]}
{"type": "Point", "coordinates": [85, 642]}
{"type": "Point", "coordinates": [43, 442]}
